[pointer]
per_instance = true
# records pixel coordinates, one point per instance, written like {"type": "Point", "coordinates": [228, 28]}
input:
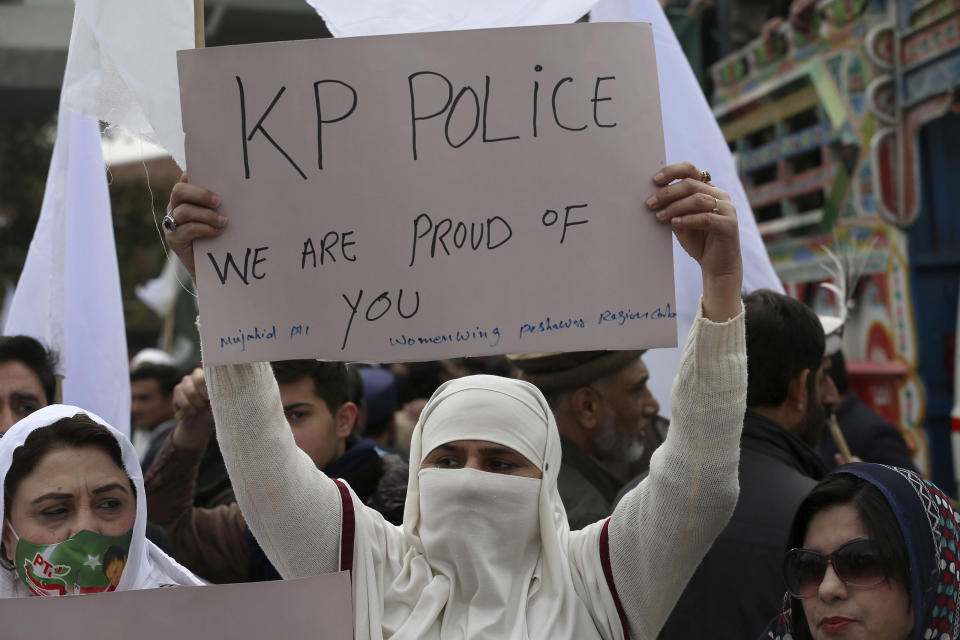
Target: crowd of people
{"type": "Point", "coordinates": [526, 496]}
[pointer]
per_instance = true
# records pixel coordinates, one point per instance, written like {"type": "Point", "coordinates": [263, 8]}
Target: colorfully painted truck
{"type": "Point", "coordinates": [847, 135]}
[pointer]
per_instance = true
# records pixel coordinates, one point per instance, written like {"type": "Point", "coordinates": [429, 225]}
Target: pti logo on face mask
{"type": "Point", "coordinates": [86, 563]}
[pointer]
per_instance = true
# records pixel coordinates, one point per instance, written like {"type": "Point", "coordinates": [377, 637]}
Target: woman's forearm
{"type": "Point", "coordinates": [293, 509]}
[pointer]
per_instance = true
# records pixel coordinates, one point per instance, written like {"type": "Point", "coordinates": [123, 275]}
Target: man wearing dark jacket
{"type": "Point", "coordinates": [738, 587]}
{"type": "Point", "coordinates": [318, 402]}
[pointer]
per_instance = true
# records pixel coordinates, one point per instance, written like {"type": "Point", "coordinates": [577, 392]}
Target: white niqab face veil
{"type": "Point", "coordinates": [477, 527]}
{"type": "Point", "coordinates": [481, 554]}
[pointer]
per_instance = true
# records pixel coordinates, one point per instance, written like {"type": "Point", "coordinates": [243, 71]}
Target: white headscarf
{"type": "Point", "coordinates": [147, 566]}
{"type": "Point", "coordinates": [537, 580]}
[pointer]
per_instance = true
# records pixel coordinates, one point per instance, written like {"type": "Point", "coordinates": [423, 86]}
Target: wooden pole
{"type": "Point", "coordinates": [839, 439]}
{"type": "Point", "coordinates": [199, 39]}
{"type": "Point", "coordinates": [168, 321]}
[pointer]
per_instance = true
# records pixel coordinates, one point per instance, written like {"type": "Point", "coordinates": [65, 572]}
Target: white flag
{"type": "Point", "coordinates": [379, 17]}
{"type": "Point", "coordinates": [68, 296]}
{"type": "Point", "coordinates": [690, 132]}
{"type": "Point", "coordinates": [122, 67]}
{"type": "Point", "coordinates": [160, 293]}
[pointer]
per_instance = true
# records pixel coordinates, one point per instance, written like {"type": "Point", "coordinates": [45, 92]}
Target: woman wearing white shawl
{"type": "Point", "coordinates": [490, 555]}
{"type": "Point", "coordinates": [146, 567]}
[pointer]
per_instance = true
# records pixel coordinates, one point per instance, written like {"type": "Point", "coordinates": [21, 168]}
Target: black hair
{"type": "Point", "coordinates": [838, 371]}
{"type": "Point", "coordinates": [355, 383]}
{"type": "Point", "coordinates": [489, 365]}
{"type": "Point", "coordinates": [420, 381]}
{"type": "Point", "coordinates": [555, 398]}
{"type": "Point", "coordinates": [167, 376]}
{"type": "Point", "coordinates": [784, 337]}
{"type": "Point", "coordinates": [377, 428]}
{"type": "Point", "coordinates": [77, 431]}
{"type": "Point", "coordinates": [877, 518]}
{"type": "Point", "coordinates": [36, 357]}
{"type": "Point", "coordinates": [331, 380]}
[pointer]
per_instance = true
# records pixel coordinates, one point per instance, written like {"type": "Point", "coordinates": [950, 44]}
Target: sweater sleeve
{"type": "Point", "coordinates": [661, 530]}
{"type": "Point", "coordinates": [209, 542]}
{"type": "Point", "coordinates": [293, 509]}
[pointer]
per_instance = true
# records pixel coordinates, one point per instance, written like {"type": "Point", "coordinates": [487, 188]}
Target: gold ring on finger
{"type": "Point", "coordinates": [716, 206]}
{"type": "Point", "coordinates": [705, 176]}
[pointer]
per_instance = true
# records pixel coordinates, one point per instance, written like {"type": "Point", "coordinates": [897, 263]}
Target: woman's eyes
{"type": "Point", "coordinates": [25, 409]}
{"type": "Point", "coordinates": [106, 505]}
{"type": "Point", "coordinates": [110, 504]}
{"type": "Point", "coordinates": [57, 511]}
{"type": "Point", "coordinates": [494, 465]}
{"type": "Point", "coordinates": [501, 466]}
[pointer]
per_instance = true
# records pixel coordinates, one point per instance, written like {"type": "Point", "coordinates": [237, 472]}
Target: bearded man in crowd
{"type": "Point", "coordinates": [602, 406]}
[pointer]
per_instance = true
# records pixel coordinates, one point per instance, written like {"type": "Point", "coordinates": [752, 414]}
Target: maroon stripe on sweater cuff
{"type": "Point", "coordinates": [347, 528]}
{"type": "Point", "coordinates": [608, 574]}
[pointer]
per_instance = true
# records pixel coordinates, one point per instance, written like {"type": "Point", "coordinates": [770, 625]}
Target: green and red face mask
{"type": "Point", "coordinates": [88, 562]}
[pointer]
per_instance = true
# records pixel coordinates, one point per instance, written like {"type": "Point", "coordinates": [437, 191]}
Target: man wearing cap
{"type": "Point", "coordinates": [602, 406]}
{"type": "Point", "coordinates": [151, 407]}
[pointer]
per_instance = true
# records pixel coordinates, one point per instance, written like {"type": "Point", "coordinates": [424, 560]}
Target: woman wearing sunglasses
{"type": "Point", "coordinates": [873, 554]}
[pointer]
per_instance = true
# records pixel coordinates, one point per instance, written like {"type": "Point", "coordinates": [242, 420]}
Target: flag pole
{"type": "Point", "coordinates": [199, 41]}
{"type": "Point", "coordinates": [839, 439]}
{"type": "Point", "coordinates": [168, 321]}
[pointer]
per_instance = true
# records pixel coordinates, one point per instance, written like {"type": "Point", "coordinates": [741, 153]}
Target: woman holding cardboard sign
{"type": "Point", "coordinates": [485, 550]}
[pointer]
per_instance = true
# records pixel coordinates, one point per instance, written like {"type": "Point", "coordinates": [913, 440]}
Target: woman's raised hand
{"type": "Point", "coordinates": [705, 222]}
{"type": "Point", "coordinates": [191, 214]}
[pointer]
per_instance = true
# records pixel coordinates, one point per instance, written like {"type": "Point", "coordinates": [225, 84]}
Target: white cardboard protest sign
{"type": "Point", "coordinates": [320, 607]}
{"type": "Point", "coordinates": [423, 196]}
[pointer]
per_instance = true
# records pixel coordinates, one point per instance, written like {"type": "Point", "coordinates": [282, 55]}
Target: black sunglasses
{"type": "Point", "coordinates": [857, 563]}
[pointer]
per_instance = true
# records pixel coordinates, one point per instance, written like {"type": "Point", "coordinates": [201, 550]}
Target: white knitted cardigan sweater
{"type": "Point", "coordinates": [658, 533]}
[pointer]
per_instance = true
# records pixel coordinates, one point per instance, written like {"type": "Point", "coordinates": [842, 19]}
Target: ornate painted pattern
{"type": "Point", "coordinates": [772, 112]}
{"type": "Point", "coordinates": [857, 83]}
{"type": "Point", "coordinates": [866, 180]}
{"type": "Point", "coordinates": [932, 12]}
{"type": "Point", "coordinates": [867, 201]}
{"type": "Point", "coordinates": [932, 79]}
{"type": "Point", "coordinates": [835, 25]}
{"type": "Point", "coordinates": [800, 142]}
{"type": "Point", "coordinates": [932, 42]}
{"type": "Point", "coordinates": [904, 332]}
{"type": "Point", "coordinates": [840, 14]}
{"type": "Point", "coordinates": [804, 183]}
{"type": "Point", "coordinates": [880, 46]}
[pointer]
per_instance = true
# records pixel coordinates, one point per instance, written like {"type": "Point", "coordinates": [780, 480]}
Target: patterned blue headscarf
{"type": "Point", "coordinates": [930, 526]}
